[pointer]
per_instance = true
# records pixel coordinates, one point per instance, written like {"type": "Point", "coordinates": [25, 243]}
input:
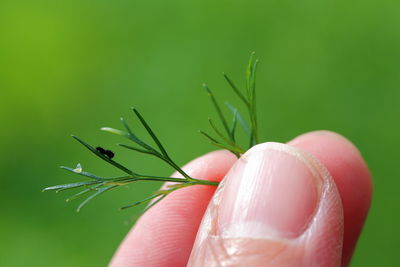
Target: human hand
{"type": "Point", "coordinates": [277, 206]}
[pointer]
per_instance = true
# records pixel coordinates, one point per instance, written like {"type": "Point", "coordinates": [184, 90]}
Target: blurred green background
{"type": "Point", "coordinates": [74, 66]}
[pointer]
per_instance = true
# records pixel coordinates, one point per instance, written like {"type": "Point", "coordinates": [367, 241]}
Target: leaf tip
{"type": "Point", "coordinates": [75, 137]}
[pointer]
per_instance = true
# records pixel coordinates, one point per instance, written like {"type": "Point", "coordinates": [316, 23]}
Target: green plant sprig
{"type": "Point", "coordinates": [249, 100]}
{"type": "Point", "coordinates": [98, 185]}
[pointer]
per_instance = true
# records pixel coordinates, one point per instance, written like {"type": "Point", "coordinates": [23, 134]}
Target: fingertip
{"type": "Point", "coordinates": [342, 158]}
{"type": "Point", "coordinates": [320, 139]}
{"type": "Point", "coordinates": [351, 175]}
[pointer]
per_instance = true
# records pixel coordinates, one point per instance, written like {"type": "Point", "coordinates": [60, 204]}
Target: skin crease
{"type": "Point", "coordinates": [165, 235]}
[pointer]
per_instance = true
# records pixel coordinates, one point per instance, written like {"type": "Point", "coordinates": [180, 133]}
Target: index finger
{"type": "Point", "coordinates": [165, 234]}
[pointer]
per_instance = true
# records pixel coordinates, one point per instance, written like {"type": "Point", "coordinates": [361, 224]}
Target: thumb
{"type": "Point", "coordinates": [277, 206]}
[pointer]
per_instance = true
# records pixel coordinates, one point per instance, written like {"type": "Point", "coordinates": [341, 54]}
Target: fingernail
{"type": "Point", "coordinates": [272, 191]}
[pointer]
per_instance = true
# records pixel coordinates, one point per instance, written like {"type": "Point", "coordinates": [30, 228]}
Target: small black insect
{"type": "Point", "coordinates": [109, 154]}
{"type": "Point", "coordinates": [105, 152]}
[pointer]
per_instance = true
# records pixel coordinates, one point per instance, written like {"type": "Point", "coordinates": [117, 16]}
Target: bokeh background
{"type": "Point", "coordinates": [70, 67]}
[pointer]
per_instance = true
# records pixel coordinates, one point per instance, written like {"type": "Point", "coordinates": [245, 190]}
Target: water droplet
{"type": "Point", "coordinates": [78, 168]}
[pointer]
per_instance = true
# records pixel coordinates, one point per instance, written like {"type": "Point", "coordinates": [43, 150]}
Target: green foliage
{"type": "Point", "coordinates": [101, 185]}
{"type": "Point", "coordinates": [249, 100]}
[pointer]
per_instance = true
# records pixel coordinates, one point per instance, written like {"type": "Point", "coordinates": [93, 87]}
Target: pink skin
{"type": "Point", "coordinates": [166, 234]}
{"type": "Point", "coordinates": [351, 176]}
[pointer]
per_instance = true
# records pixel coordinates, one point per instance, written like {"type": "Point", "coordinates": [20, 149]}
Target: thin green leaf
{"type": "Point", "coordinates": [83, 192]}
{"type": "Point", "coordinates": [253, 105]}
{"type": "Point", "coordinates": [234, 123]}
{"type": "Point", "coordinates": [208, 136]}
{"type": "Point", "coordinates": [250, 86]}
{"type": "Point", "coordinates": [147, 178]}
{"type": "Point", "coordinates": [173, 187]}
{"type": "Point", "coordinates": [249, 74]}
{"type": "Point", "coordinates": [140, 202]}
{"type": "Point", "coordinates": [70, 186]}
{"type": "Point", "coordinates": [235, 89]}
{"type": "Point", "coordinates": [235, 150]}
{"type": "Point", "coordinates": [164, 153]}
{"type": "Point", "coordinates": [136, 139]}
{"type": "Point", "coordinates": [229, 141]}
{"type": "Point", "coordinates": [151, 133]}
{"type": "Point", "coordinates": [154, 203]}
{"type": "Point", "coordinates": [145, 151]}
{"type": "Point", "coordinates": [217, 108]}
{"type": "Point", "coordinates": [115, 131]}
{"type": "Point", "coordinates": [253, 78]}
{"type": "Point", "coordinates": [99, 192]}
{"type": "Point", "coordinates": [131, 136]}
{"type": "Point", "coordinates": [127, 126]}
{"type": "Point", "coordinates": [240, 118]}
{"type": "Point", "coordinates": [86, 174]}
{"type": "Point", "coordinates": [103, 157]}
